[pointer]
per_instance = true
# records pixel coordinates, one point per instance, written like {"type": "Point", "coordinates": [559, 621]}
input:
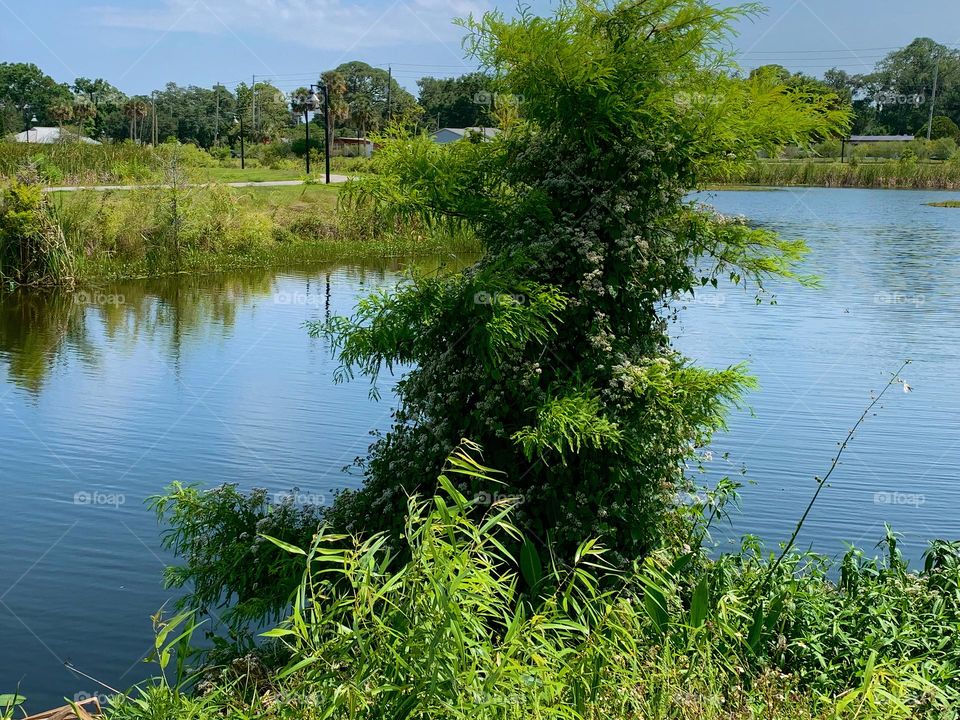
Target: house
{"type": "Point", "coordinates": [352, 146]}
{"type": "Point", "coordinates": [49, 136]}
{"type": "Point", "coordinates": [446, 135]}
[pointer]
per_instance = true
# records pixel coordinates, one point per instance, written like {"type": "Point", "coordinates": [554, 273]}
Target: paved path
{"type": "Point", "coordinates": [265, 183]}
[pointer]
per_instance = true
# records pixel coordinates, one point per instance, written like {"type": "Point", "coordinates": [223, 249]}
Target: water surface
{"type": "Point", "coordinates": [889, 268]}
{"type": "Point", "coordinates": [108, 396]}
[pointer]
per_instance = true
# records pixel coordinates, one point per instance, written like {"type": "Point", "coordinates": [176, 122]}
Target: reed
{"type": "Point", "coordinates": [906, 173]}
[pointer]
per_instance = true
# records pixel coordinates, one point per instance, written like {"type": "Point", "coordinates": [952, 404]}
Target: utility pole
{"type": "Point", "coordinates": [253, 106]}
{"type": "Point", "coordinates": [216, 122]}
{"type": "Point", "coordinates": [389, 87]}
{"type": "Point", "coordinates": [933, 95]}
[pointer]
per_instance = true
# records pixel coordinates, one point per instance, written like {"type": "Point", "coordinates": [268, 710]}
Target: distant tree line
{"type": "Point", "coordinates": [363, 99]}
{"type": "Point", "coordinates": [893, 99]}
{"type": "Point", "coordinates": [896, 98]}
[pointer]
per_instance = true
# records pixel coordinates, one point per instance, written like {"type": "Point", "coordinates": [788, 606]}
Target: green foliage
{"type": "Point", "coordinates": [455, 625]}
{"type": "Point", "coordinates": [362, 96]}
{"type": "Point", "coordinates": [466, 101]}
{"type": "Point", "coordinates": [32, 247]}
{"type": "Point", "coordinates": [25, 92]}
{"type": "Point", "coordinates": [553, 351]}
{"type": "Point", "coordinates": [220, 532]}
{"type": "Point", "coordinates": [9, 702]}
{"type": "Point", "coordinates": [944, 127]}
{"type": "Point", "coordinates": [82, 164]}
{"type": "Point", "coordinates": [857, 172]}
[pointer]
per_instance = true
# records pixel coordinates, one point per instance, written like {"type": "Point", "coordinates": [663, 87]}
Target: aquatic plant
{"type": "Point", "coordinates": [32, 247]}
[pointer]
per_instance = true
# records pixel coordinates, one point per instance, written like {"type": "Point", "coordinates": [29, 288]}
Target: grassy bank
{"type": "Point", "coordinates": [458, 626]}
{"type": "Point", "coordinates": [906, 173]}
{"type": "Point", "coordinates": [86, 237]}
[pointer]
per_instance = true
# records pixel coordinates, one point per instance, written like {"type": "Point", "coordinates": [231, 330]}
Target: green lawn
{"type": "Point", "coordinates": [251, 174]}
{"type": "Point", "coordinates": [317, 197]}
{"type": "Point", "coordinates": [271, 198]}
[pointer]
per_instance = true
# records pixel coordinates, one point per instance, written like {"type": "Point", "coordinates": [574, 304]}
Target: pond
{"type": "Point", "coordinates": [107, 396]}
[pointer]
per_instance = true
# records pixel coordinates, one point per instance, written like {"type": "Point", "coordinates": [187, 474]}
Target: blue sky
{"type": "Point", "coordinates": [140, 45]}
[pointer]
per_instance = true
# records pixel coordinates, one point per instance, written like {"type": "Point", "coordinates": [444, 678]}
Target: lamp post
{"type": "Point", "coordinates": [306, 120]}
{"type": "Point", "coordinates": [313, 103]}
{"type": "Point", "coordinates": [33, 120]}
{"type": "Point", "coordinates": [239, 121]}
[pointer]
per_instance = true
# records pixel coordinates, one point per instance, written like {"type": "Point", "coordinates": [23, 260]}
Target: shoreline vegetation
{"type": "Point", "coordinates": [878, 174]}
{"type": "Point", "coordinates": [172, 224]}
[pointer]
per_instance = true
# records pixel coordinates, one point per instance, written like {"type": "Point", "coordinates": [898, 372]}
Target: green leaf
{"type": "Point", "coordinates": [655, 604]}
{"type": "Point", "coordinates": [11, 700]}
{"type": "Point", "coordinates": [530, 565]}
{"type": "Point", "coordinates": [699, 604]}
{"type": "Point", "coordinates": [277, 632]}
{"type": "Point", "coordinates": [284, 546]}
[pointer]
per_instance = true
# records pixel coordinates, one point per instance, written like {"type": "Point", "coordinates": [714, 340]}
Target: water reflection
{"type": "Point", "coordinates": [39, 330]}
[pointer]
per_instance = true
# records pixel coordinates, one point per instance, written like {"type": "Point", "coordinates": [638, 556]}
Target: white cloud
{"type": "Point", "coordinates": [327, 24]}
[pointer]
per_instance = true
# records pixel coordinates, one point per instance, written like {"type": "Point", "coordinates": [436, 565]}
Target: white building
{"type": "Point", "coordinates": [49, 136]}
{"type": "Point", "coordinates": [446, 135]}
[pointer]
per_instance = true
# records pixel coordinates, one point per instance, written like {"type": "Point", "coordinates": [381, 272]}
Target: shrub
{"type": "Point", "coordinates": [551, 351]}
{"type": "Point", "coordinates": [458, 627]}
{"type": "Point", "coordinates": [32, 246]}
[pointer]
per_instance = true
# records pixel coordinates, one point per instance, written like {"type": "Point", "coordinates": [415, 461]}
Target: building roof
{"type": "Point", "coordinates": [49, 136]}
{"type": "Point", "coordinates": [879, 138]}
{"type": "Point", "coordinates": [488, 132]}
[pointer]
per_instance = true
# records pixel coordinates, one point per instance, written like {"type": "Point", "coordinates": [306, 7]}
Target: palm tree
{"type": "Point", "coordinates": [337, 97]}
{"type": "Point", "coordinates": [61, 112]}
{"type": "Point", "coordinates": [363, 114]}
{"type": "Point", "coordinates": [84, 111]}
{"type": "Point", "coordinates": [134, 110]}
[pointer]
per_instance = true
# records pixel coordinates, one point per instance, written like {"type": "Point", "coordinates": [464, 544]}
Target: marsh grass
{"type": "Point", "coordinates": [125, 234]}
{"type": "Point", "coordinates": [82, 164]}
{"type": "Point", "coordinates": [905, 173]}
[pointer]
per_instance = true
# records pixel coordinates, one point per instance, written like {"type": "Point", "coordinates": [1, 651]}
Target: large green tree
{"type": "Point", "coordinates": [465, 101]}
{"type": "Point", "coordinates": [365, 88]}
{"type": "Point", "coordinates": [896, 96]}
{"type": "Point", "coordinates": [25, 91]}
{"type": "Point", "coordinates": [553, 350]}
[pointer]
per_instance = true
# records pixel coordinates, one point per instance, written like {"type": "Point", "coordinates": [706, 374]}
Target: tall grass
{"type": "Point", "coordinates": [81, 163]}
{"type": "Point", "coordinates": [454, 623]}
{"type": "Point", "coordinates": [906, 173]}
{"type": "Point", "coordinates": [33, 250]}
{"type": "Point", "coordinates": [125, 234]}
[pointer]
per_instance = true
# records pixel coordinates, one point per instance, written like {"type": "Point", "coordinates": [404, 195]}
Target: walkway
{"type": "Point", "coordinates": [265, 183]}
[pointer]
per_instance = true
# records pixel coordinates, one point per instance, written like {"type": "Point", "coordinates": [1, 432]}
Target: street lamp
{"type": "Point", "coordinates": [33, 120]}
{"type": "Point", "coordinates": [313, 103]}
{"type": "Point", "coordinates": [238, 120]}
